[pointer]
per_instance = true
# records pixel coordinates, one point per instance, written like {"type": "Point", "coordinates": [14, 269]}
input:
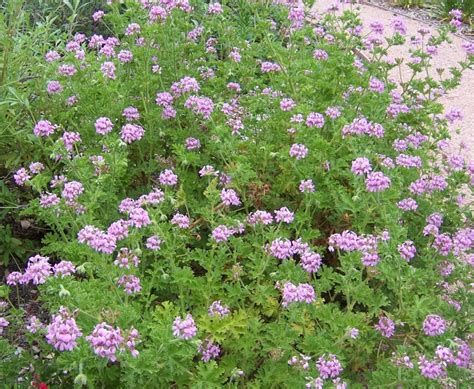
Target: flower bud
{"type": "Point", "coordinates": [81, 379]}
{"type": "Point", "coordinates": [64, 292]}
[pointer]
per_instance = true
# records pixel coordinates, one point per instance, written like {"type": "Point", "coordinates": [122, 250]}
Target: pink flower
{"type": "Point", "coordinates": [52, 56]}
{"type": "Point", "coordinates": [298, 151]}
{"type": "Point", "coordinates": [192, 144]}
{"type": "Point", "coordinates": [131, 113]}
{"type": "Point", "coordinates": [281, 248]}
{"type": "Point", "coordinates": [72, 190]}
{"type": "Point", "coordinates": [156, 196]}
{"type": "Point", "coordinates": [315, 119]}
{"type": "Point", "coordinates": [377, 182]}
{"type": "Point", "coordinates": [125, 56]}
{"type": "Point", "coordinates": [399, 26]}
{"type": "Point", "coordinates": [157, 13]}
{"type": "Point", "coordinates": [168, 112]}
{"type": "Point", "coordinates": [64, 268]}
{"type": "Point", "coordinates": [67, 70]}
{"type": "Point", "coordinates": [21, 176]}
{"type": "Point", "coordinates": [103, 125]}
{"type": "Point", "coordinates": [3, 324]}
{"type": "Point", "coordinates": [214, 9]}
{"type": "Point", "coordinates": [434, 325]}
{"type": "Point", "coordinates": [44, 128]}
{"type": "Point", "coordinates": [287, 104]}
{"type": "Point", "coordinates": [182, 221]}
{"type": "Point", "coordinates": [234, 86]}
{"type": "Point", "coordinates": [119, 229]}
{"type": "Point", "coordinates": [126, 205]}
{"type": "Point", "coordinates": [306, 186]}
{"type": "Point", "coordinates": [301, 293]}
{"type": "Point", "coordinates": [200, 105]}
{"type": "Point", "coordinates": [222, 233]}
{"type": "Point", "coordinates": [15, 278]}
{"type": "Point", "coordinates": [96, 41]}
{"type": "Point", "coordinates": [320, 55]}
{"type": "Point", "coordinates": [139, 218]}
{"type": "Point", "coordinates": [63, 331]}
{"type": "Point", "coordinates": [284, 215]}
{"type": "Point", "coordinates": [126, 258]}
{"type": "Point", "coordinates": [167, 177]}
{"type": "Point", "coordinates": [209, 350]}
{"type": "Point", "coordinates": [69, 139]}
{"type": "Point", "coordinates": [130, 283]}
{"type": "Point", "coordinates": [97, 239]}
{"type": "Point", "coordinates": [106, 341]}
{"type": "Point", "coordinates": [407, 250]}
{"type": "Point", "coordinates": [164, 99]}
{"type": "Point", "coordinates": [269, 67]}
{"type": "Point", "coordinates": [329, 367]}
{"type": "Point", "coordinates": [431, 369]}
{"type": "Point", "coordinates": [229, 197]}
{"type": "Point", "coordinates": [153, 242]}
{"type": "Point", "coordinates": [408, 204]}
{"type": "Point", "coordinates": [310, 261]}
{"type": "Point", "coordinates": [386, 327]}
{"type": "Point", "coordinates": [375, 85]}
{"type": "Point", "coordinates": [38, 270]}
{"type": "Point", "coordinates": [354, 333]}
{"type": "Point", "coordinates": [260, 217]}
{"type": "Point", "coordinates": [36, 167]}
{"type": "Point", "coordinates": [34, 325]}
{"type": "Point", "coordinates": [217, 309]}
{"type": "Point", "coordinates": [333, 112]}
{"type": "Point", "coordinates": [97, 15]}
{"type": "Point", "coordinates": [54, 87]}
{"type": "Point", "coordinates": [184, 329]}
{"type": "Point", "coordinates": [194, 34]}
{"type": "Point", "coordinates": [185, 85]}
{"type": "Point", "coordinates": [108, 70]}
{"type": "Point", "coordinates": [132, 28]}
{"type": "Point", "coordinates": [377, 28]}
{"type": "Point", "coordinates": [234, 55]}
{"type": "Point", "coordinates": [49, 200]}
{"type": "Point", "coordinates": [361, 166]}
{"type": "Point", "coordinates": [131, 133]}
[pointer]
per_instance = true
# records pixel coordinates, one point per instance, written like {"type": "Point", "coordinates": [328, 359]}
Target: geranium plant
{"type": "Point", "coordinates": [237, 197]}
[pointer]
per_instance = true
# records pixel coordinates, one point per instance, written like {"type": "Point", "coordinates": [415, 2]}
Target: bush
{"type": "Point", "coordinates": [443, 8]}
{"type": "Point", "coordinates": [23, 45]}
{"type": "Point", "coordinates": [234, 198]}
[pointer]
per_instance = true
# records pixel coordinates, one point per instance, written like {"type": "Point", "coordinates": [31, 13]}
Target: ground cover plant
{"type": "Point", "coordinates": [234, 197]}
{"type": "Point", "coordinates": [442, 8]}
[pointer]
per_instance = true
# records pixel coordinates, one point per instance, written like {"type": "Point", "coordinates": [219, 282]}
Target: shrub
{"type": "Point", "coordinates": [443, 8]}
{"type": "Point", "coordinates": [234, 198]}
{"type": "Point", "coordinates": [23, 46]}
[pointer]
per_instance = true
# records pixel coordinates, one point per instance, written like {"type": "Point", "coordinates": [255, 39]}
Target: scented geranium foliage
{"type": "Point", "coordinates": [235, 197]}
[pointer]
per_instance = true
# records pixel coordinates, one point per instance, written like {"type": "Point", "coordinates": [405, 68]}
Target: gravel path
{"type": "Point", "coordinates": [449, 55]}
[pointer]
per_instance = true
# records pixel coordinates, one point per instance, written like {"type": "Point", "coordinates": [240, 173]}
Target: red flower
{"type": "Point", "coordinates": [38, 384]}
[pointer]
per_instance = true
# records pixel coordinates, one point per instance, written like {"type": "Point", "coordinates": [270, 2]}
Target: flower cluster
{"type": "Point", "coordinates": [184, 329]}
{"type": "Point", "coordinates": [297, 293]}
{"type": "Point", "coordinates": [63, 332]}
{"type": "Point", "coordinates": [434, 325]}
{"type": "Point", "coordinates": [285, 249]}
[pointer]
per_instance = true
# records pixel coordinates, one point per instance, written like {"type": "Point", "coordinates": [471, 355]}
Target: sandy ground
{"type": "Point", "coordinates": [449, 55]}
